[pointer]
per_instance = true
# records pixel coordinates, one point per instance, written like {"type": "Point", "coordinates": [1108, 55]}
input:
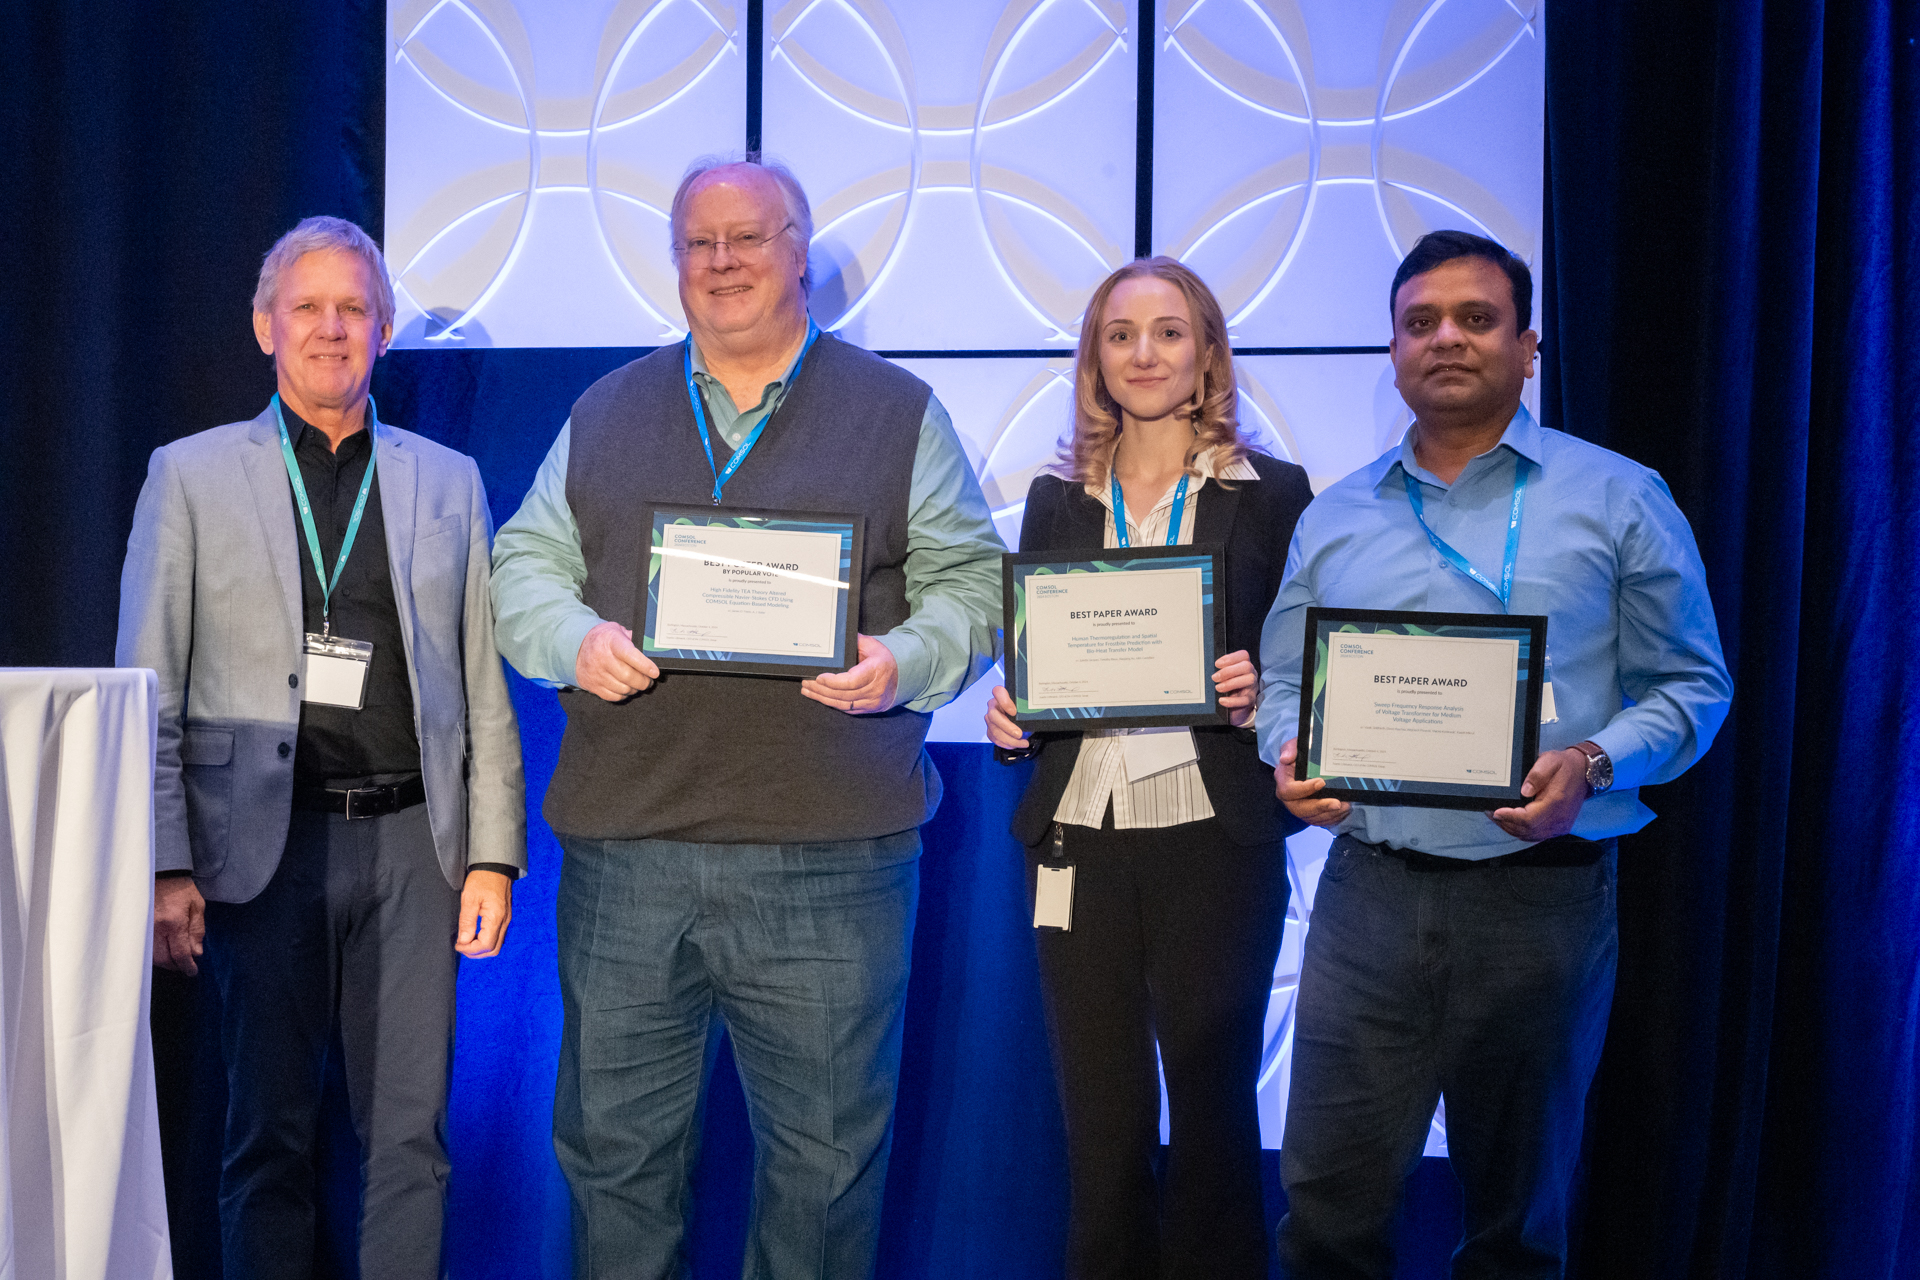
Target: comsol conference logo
{"type": "Point", "coordinates": [1048, 589]}
{"type": "Point", "coordinates": [685, 539]}
{"type": "Point", "coordinates": [1348, 649]}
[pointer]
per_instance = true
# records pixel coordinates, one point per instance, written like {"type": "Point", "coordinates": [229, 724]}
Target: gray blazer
{"type": "Point", "coordinates": [210, 599]}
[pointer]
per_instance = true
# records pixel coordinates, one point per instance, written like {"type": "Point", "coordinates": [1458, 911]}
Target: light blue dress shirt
{"type": "Point", "coordinates": [1633, 650]}
{"type": "Point", "coordinates": [950, 638]}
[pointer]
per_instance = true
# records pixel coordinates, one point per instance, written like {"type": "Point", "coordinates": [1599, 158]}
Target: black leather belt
{"type": "Point", "coordinates": [362, 802]}
{"type": "Point", "coordinates": [1561, 851]}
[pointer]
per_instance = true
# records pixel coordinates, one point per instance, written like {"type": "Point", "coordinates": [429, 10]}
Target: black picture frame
{"type": "Point", "coordinates": [1529, 629]}
{"type": "Point", "coordinates": [1018, 567]}
{"type": "Point", "coordinates": [852, 530]}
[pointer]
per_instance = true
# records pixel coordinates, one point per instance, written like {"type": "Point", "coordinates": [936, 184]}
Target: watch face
{"type": "Point", "coordinates": [1600, 772]}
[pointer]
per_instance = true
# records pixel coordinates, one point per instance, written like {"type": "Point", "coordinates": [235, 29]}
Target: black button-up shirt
{"type": "Point", "coordinates": [338, 744]}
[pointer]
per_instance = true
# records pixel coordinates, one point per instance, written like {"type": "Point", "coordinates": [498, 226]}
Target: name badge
{"type": "Point", "coordinates": [1053, 887]}
{"type": "Point", "coordinates": [333, 671]}
{"type": "Point", "coordinates": [1151, 751]}
{"type": "Point", "coordinates": [1053, 898]}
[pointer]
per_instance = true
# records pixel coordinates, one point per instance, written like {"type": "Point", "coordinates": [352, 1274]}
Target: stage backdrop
{"type": "Point", "coordinates": [975, 169]}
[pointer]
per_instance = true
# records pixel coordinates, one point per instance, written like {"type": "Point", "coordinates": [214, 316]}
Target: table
{"type": "Point", "coordinates": [81, 1194]}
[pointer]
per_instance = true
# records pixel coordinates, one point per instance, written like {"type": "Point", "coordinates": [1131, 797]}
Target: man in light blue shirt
{"type": "Point", "coordinates": [1472, 954]}
{"type": "Point", "coordinates": [741, 851]}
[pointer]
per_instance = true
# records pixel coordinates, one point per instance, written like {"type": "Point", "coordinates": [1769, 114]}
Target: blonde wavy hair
{"type": "Point", "coordinates": [1085, 453]}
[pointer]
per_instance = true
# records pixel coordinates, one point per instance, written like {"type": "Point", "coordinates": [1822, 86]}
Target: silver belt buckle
{"type": "Point", "coordinates": [359, 791]}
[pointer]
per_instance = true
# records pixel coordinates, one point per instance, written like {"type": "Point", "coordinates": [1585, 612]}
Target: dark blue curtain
{"type": "Point", "coordinates": [1732, 298]}
{"type": "Point", "coordinates": [150, 154]}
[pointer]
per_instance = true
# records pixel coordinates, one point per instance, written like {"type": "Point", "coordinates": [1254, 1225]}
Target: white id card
{"type": "Point", "coordinates": [1547, 714]}
{"type": "Point", "coordinates": [333, 672]}
{"type": "Point", "coordinates": [1150, 751]}
{"type": "Point", "coordinates": [1053, 898]}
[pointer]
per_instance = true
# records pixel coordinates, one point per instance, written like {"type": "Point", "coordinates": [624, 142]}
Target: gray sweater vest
{"type": "Point", "coordinates": [743, 759]}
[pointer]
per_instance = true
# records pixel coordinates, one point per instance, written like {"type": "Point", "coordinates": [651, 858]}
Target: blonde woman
{"type": "Point", "coordinates": [1180, 876]}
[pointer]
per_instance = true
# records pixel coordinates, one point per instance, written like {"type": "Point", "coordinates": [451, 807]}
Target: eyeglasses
{"type": "Point", "coordinates": [748, 246]}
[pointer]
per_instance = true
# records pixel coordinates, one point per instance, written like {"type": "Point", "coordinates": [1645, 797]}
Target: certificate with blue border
{"type": "Point", "coordinates": [750, 592]}
{"type": "Point", "coordinates": [1125, 639]}
{"type": "Point", "coordinates": [1437, 710]}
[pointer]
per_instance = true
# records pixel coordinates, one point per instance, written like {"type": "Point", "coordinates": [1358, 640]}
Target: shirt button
{"type": "Point", "coordinates": [285, 751]}
{"type": "Point", "coordinates": [293, 682]}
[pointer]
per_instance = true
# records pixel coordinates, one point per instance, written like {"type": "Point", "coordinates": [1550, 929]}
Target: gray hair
{"type": "Point", "coordinates": [799, 212]}
{"type": "Point", "coordinates": [317, 235]}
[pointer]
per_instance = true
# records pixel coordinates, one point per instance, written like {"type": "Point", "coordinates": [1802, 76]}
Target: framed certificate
{"type": "Point", "coordinates": [1440, 710]}
{"type": "Point", "coordinates": [771, 593]}
{"type": "Point", "coordinates": [1126, 641]}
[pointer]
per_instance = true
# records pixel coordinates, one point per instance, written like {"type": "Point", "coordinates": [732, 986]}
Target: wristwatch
{"type": "Point", "coordinates": [1599, 767]}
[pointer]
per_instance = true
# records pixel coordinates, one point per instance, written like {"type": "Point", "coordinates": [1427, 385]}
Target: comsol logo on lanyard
{"type": "Point", "coordinates": [1504, 592]}
{"type": "Point", "coordinates": [333, 669]}
{"type": "Point", "coordinates": [722, 474]}
{"type": "Point", "coordinates": [1522, 472]}
{"type": "Point", "coordinates": [1120, 511]}
{"type": "Point", "coordinates": [327, 582]}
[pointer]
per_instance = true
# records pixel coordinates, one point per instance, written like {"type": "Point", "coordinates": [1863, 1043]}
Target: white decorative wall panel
{"type": "Point", "coordinates": [971, 165]}
{"type": "Point", "coordinates": [532, 150]}
{"type": "Point", "coordinates": [1302, 146]}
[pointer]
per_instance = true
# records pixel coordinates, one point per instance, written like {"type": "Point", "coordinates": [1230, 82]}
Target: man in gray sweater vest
{"type": "Point", "coordinates": [742, 850]}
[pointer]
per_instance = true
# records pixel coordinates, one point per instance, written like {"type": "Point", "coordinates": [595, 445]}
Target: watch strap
{"type": "Point", "coordinates": [1595, 753]}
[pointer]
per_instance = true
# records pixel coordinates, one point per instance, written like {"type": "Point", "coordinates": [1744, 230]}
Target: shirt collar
{"type": "Point", "coordinates": [1203, 470]}
{"type": "Point", "coordinates": [700, 363]}
{"type": "Point", "coordinates": [1524, 436]}
{"type": "Point", "coordinates": [305, 436]}
{"type": "Point", "coordinates": [1239, 469]}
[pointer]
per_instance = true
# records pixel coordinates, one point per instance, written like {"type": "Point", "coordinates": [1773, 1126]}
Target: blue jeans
{"type": "Point", "coordinates": [1490, 984]}
{"type": "Point", "coordinates": [801, 952]}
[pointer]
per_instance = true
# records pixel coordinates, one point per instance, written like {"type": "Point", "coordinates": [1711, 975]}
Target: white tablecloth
{"type": "Point", "coordinates": [80, 1189]}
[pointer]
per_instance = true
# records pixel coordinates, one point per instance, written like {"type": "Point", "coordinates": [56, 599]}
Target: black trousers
{"type": "Point", "coordinates": [355, 930]}
{"type": "Point", "coordinates": [1175, 934]}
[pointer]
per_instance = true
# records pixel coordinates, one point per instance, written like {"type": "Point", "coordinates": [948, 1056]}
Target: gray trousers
{"type": "Point", "coordinates": [355, 932]}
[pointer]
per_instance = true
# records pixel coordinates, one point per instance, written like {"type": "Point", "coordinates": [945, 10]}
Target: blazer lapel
{"type": "Point", "coordinates": [273, 504]}
{"type": "Point", "coordinates": [1086, 519]}
{"type": "Point", "coordinates": [1213, 520]}
{"type": "Point", "coordinates": [399, 481]}
{"type": "Point", "coordinates": [1213, 524]}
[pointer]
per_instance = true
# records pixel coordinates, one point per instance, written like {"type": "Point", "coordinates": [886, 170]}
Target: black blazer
{"type": "Point", "coordinates": [1254, 521]}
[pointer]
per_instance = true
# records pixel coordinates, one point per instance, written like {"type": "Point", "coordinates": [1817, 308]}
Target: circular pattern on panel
{"type": "Point", "coordinates": [457, 247]}
{"type": "Point", "coordinates": [1043, 245]}
{"type": "Point", "coordinates": [1259, 54]}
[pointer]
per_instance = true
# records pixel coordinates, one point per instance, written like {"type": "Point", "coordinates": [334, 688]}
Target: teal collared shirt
{"type": "Point", "coordinates": [1604, 553]}
{"type": "Point", "coordinates": [951, 636]}
{"type": "Point", "coordinates": [733, 424]}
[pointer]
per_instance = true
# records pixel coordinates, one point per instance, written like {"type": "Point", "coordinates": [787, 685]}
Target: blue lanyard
{"type": "Point", "coordinates": [1504, 592]}
{"type": "Point", "coordinates": [722, 475]}
{"type": "Point", "coordinates": [306, 510]}
{"type": "Point", "coordinates": [1120, 510]}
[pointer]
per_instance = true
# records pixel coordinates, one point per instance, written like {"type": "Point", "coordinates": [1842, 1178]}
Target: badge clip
{"type": "Point", "coordinates": [1053, 886]}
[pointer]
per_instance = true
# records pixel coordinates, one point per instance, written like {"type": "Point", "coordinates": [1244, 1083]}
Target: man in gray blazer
{"type": "Point", "coordinates": [338, 799]}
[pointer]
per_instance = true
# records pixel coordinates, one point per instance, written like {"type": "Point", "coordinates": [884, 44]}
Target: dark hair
{"type": "Point", "coordinates": [1437, 247]}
